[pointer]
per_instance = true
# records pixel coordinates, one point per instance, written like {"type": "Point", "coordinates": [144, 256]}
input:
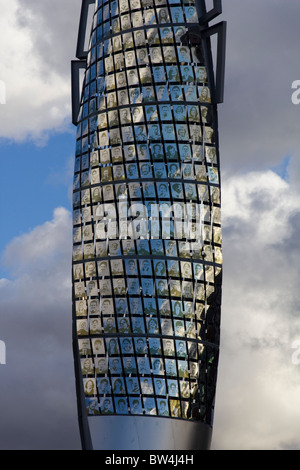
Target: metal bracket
{"type": "Point", "coordinates": [80, 52]}
{"type": "Point", "coordinates": [207, 16]}
{"type": "Point", "coordinates": [76, 66]}
{"type": "Point", "coordinates": [220, 30]}
{"type": "Point", "coordinates": [197, 36]}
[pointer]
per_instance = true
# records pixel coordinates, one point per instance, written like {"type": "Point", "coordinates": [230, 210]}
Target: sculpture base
{"type": "Point", "coordinates": [147, 433]}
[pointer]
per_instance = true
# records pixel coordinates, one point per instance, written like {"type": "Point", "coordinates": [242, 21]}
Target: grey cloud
{"type": "Point", "coordinates": [294, 241]}
{"type": "Point", "coordinates": [257, 395]}
{"type": "Point", "coordinates": [258, 390]}
{"type": "Point", "coordinates": [290, 445]}
{"type": "Point", "coordinates": [258, 122]}
{"type": "Point", "coordinates": [53, 27]}
{"type": "Point", "coordinates": [37, 395]}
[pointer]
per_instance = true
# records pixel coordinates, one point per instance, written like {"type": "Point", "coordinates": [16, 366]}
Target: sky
{"type": "Point", "coordinates": [258, 392]}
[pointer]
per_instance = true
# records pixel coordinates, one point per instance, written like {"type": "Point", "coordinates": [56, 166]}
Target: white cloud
{"type": "Point", "coordinates": [35, 66]}
{"type": "Point", "coordinates": [257, 396]}
{"type": "Point", "coordinates": [44, 244]}
{"type": "Point", "coordinates": [258, 390]}
{"type": "Point", "coordinates": [262, 200]}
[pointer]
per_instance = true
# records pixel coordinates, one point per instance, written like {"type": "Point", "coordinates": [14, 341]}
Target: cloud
{"type": "Point", "coordinates": [258, 400]}
{"type": "Point", "coordinates": [257, 403]}
{"type": "Point", "coordinates": [258, 389]}
{"type": "Point", "coordinates": [44, 244]}
{"type": "Point", "coordinates": [258, 122]}
{"type": "Point", "coordinates": [35, 66]}
{"type": "Point", "coordinates": [37, 396]}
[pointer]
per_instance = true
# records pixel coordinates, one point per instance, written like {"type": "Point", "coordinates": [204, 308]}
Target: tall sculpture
{"type": "Point", "coordinates": [147, 261]}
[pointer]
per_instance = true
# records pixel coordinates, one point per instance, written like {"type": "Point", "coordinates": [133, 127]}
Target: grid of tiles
{"type": "Point", "coordinates": [146, 309]}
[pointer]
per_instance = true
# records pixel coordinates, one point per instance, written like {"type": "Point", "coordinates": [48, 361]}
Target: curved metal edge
{"type": "Point", "coordinates": [148, 433]}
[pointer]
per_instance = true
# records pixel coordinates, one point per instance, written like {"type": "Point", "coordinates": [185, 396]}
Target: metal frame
{"type": "Point", "coordinates": [81, 55]}
{"type": "Point", "coordinates": [207, 16]}
{"type": "Point", "coordinates": [204, 18]}
{"type": "Point", "coordinates": [80, 52]}
{"type": "Point", "coordinates": [218, 85]}
{"type": "Point", "coordinates": [197, 35]}
{"type": "Point", "coordinates": [76, 65]}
